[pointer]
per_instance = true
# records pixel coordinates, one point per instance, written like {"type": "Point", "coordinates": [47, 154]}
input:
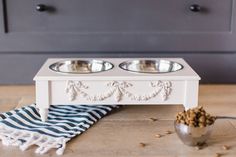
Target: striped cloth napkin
{"type": "Point", "coordinates": [23, 127]}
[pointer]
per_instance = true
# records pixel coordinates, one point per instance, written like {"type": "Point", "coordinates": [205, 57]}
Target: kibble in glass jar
{"type": "Point", "coordinates": [195, 117]}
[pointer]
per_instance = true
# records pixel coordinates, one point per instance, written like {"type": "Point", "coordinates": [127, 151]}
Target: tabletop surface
{"type": "Point", "coordinates": [120, 133]}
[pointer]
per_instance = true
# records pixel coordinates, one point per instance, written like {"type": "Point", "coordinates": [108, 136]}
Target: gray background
{"type": "Point", "coordinates": [118, 28]}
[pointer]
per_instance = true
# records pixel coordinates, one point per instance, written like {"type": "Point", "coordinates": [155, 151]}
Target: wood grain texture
{"type": "Point", "coordinates": [120, 133]}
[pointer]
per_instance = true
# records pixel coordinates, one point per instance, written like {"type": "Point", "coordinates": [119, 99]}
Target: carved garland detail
{"type": "Point", "coordinates": [118, 89]}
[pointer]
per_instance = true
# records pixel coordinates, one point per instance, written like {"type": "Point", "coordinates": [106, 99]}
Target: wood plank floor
{"type": "Point", "coordinates": [119, 134]}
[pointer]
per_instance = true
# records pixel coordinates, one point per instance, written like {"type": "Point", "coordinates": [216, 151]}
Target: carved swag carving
{"type": "Point", "coordinates": [118, 89]}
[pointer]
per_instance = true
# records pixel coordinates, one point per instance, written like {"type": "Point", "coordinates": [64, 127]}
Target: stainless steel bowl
{"type": "Point", "coordinates": [81, 66]}
{"type": "Point", "coordinates": [151, 66]}
{"type": "Point", "coordinates": [193, 136]}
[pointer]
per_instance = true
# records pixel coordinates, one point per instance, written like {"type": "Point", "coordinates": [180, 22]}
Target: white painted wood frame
{"type": "Point", "coordinates": [115, 86]}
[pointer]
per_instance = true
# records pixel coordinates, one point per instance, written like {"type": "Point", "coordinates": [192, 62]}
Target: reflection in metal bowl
{"type": "Point", "coordinates": [81, 66]}
{"type": "Point", "coordinates": [151, 66]}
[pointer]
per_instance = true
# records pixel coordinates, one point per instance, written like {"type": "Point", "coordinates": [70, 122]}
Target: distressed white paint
{"type": "Point", "coordinates": [116, 86]}
{"type": "Point", "coordinates": [43, 98]}
{"type": "Point", "coordinates": [191, 94]}
{"type": "Point", "coordinates": [101, 89]}
{"type": "Point", "coordinates": [117, 89]}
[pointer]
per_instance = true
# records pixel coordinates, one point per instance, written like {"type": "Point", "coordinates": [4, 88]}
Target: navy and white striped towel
{"type": "Point", "coordinates": [23, 127]}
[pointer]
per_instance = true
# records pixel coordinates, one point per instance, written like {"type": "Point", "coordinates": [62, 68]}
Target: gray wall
{"type": "Point", "coordinates": [212, 67]}
{"type": "Point", "coordinates": [118, 28]}
{"type": "Point", "coordinates": [117, 25]}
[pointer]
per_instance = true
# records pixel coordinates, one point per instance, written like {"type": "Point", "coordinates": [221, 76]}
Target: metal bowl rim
{"type": "Point", "coordinates": [130, 61]}
{"type": "Point", "coordinates": [175, 123]}
{"type": "Point", "coordinates": [69, 73]}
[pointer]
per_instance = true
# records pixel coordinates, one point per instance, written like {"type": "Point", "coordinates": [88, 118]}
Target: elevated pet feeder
{"type": "Point", "coordinates": [109, 81]}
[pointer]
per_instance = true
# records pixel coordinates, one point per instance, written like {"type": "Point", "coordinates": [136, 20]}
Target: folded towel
{"type": "Point", "coordinates": [24, 128]}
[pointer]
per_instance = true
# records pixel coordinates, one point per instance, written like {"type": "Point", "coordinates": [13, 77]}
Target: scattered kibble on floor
{"type": "Point", "coordinates": [158, 135]}
{"type": "Point", "coordinates": [141, 144]}
{"type": "Point", "coordinates": [225, 147]}
{"type": "Point", "coordinates": [218, 155]}
{"type": "Point", "coordinates": [153, 119]}
{"type": "Point", "coordinates": [168, 132]}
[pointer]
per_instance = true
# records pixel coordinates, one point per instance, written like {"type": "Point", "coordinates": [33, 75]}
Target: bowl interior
{"type": "Point", "coordinates": [151, 66]}
{"type": "Point", "coordinates": [81, 66]}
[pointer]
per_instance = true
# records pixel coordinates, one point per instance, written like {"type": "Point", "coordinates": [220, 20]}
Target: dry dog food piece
{"type": "Point", "coordinates": [195, 117]}
{"type": "Point", "coordinates": [158, 135]}
{"type": "Point", "coordinates": [168, 132]}
{"type": "Point", "coordinates": [225, 147]}
{"type": "Point", "coordinates": [142, 144]}
{"type": "Point", "coordinates": [153, 119]}
{"type": "Point", "coordinates": [218, 155]}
